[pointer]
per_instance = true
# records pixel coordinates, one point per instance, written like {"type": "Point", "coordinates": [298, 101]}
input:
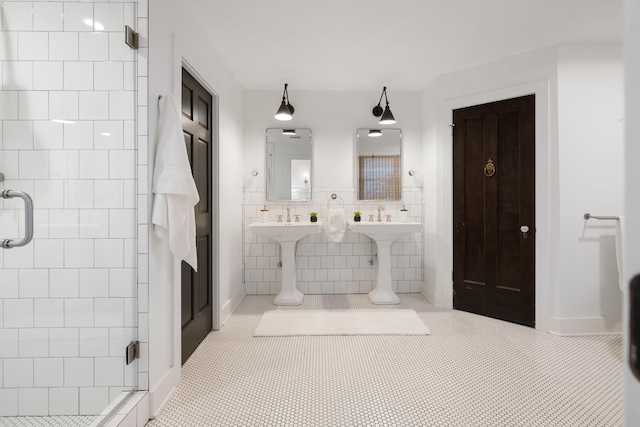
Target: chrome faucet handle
{"type": "Point", "coordinates": [279, 218]}
{"type": "Point", "coordinates": [297, 218]}
{"type": "Point", "coordinates": [371, 218]}
{"type": "Point", "coordinates": [388, 218]}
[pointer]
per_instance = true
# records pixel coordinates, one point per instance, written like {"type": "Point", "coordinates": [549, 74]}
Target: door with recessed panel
{"type": "Point", "coordinates": [197, 286]}
{"type": "Point", "coordinates": [494, 210]}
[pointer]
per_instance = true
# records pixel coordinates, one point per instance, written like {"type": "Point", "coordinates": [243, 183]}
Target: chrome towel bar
{"type": "Point", "coordinates": [28, 219]}
{"type": "Point", "coordinates": [589, 216]}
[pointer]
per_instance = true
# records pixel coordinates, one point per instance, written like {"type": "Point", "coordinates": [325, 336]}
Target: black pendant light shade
{"type": "Point", "coordinates": [374, 133]}
{"type": "Point", "coordinates": [285, 112]}
{"type": "Point", "coordinates": [387, 117]}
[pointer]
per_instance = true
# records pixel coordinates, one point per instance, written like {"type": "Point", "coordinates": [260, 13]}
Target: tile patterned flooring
{"type": "Point", "coordinates": [472, 371]}
{"type": "Point", "coordinates": [53, 421]}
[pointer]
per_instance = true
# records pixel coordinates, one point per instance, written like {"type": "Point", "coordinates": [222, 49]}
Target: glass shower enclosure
{"type": "Point", "coordinates": [68, 302]}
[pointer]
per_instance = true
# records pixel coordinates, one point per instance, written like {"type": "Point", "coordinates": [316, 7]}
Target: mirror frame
{"type": "Point", "coordinates": [357, 166]}
{"type": "Point", "coordinates": [269, 197]}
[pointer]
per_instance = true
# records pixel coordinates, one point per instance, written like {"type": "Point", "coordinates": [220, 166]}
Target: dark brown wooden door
{"type": "Point", "coordinates": [197, 287]}
{"type": "Point", "coordinates": [493, 204]}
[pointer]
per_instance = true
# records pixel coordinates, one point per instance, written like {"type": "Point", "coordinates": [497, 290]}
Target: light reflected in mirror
{"type": "Point", "coordinates": [289, 164]}
{"type": "Point", "coordinates": [378, 164]}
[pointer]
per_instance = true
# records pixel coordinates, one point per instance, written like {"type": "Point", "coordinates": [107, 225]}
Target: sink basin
{"type": "Point", "coordinates": [285, 231]}
{"type": "Point", "coordinates": [287, 234]}
{"type": "Point", "coordinates": [384, 230]}
{"type": "Point", "coordinates": [384, 234]}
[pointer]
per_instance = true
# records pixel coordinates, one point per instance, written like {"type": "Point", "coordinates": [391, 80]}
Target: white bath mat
{"type": "Point", "coordinates": [282, 323]}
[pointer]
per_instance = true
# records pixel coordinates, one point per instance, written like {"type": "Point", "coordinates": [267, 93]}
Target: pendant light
{"type": "Point", "coordinates": [374, 133]}
{"type": "Point", "coordinates": [289, 132]}
{"type": "Point", "coordinates": [387, 117]}
{"type": "Point", "coordinates": [285, 112]}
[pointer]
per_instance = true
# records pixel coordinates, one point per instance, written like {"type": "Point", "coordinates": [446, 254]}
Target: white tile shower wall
{"type": "Point", "coordinates": [332, 268]}
{"type": "Point", "coordinates": [68, 301]}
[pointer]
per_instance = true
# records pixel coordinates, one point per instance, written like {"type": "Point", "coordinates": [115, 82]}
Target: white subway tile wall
{"type": "Point", "coordinates": [332, 268]}
{"type": "Point", "coordinates": [69, 301]}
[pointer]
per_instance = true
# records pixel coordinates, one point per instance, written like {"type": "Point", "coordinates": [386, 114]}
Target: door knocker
{"type": "Point", "coordinates": [490, 168]}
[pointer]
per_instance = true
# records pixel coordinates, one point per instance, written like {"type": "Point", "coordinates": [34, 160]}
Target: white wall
{"type": "Point", "coordinates": [632, 178]}
{"type": "Point", "coordinates": [578, 108]}
{"type": "Point", "coordinates": [591, 151]}
{"type": "Point", "coordinates": [176, 38]}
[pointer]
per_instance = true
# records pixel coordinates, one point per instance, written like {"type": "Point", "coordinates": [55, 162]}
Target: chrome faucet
{"type": "Point", "coordinates": [380, 208]}
{"type": "Point", "coordinates": [288, 213]}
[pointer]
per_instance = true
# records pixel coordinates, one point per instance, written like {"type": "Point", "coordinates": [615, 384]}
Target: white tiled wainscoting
{"type": "Point", "coordinates": [68, 300]}
{"type": "Point", "coordinates": [332, 268]}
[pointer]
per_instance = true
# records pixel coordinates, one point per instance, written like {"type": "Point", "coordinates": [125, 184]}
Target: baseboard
{"type": "Point", "coordinates": [611, 325]}
{"type": "Point", "coordinates": [585, 326]}
{"type": "Point", "coordinates": [159, 395]}
{"type": "Point", "coordinates": [434, 297]}
{"type": "Point", "coordinates": [428, 292]}
{"type": "Point", "coordinates": [231, 306]}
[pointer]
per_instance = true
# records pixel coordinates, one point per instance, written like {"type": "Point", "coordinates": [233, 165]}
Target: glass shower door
{"type": "Point", "coordinates": [68, 298]}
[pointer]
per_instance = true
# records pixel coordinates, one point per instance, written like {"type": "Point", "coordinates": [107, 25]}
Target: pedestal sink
{"type": "Point", "coordinates": [384, 234]}
{"type": "Point", "coordinates": [287, 234]}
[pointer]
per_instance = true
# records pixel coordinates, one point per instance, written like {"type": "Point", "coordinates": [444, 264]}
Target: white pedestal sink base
{"type": "Point", "coordinates": [287, 234]}
{"type": "Point", "coordinates": [384, 234]}
{"type": "Point", "coordinates": [378, 296]}
{"type": "Point", "coordinates": [383, 293]}
{"type": "Point", "coordinates": [289, 293]}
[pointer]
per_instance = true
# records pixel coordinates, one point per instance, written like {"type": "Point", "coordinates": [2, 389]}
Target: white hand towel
{"type": "Point", "coordinates": [175, 190]}
{"type": "Point", "coordinates": [336, 225]}
{"type": "Point", "coordinates": [620, 250]}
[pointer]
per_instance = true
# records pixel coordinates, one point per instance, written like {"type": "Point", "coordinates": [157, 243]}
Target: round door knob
{"type": "Point", "coordinates": [524, 229]}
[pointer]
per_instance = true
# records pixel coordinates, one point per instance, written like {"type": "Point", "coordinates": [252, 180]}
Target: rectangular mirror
{"type": "Point", "coordinates": [289, 164]}
{"type": "Point", "coordinates": [378, 166]}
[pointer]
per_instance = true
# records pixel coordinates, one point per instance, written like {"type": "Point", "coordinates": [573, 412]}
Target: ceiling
{"type": "Point", "coordinates": [403, 44]}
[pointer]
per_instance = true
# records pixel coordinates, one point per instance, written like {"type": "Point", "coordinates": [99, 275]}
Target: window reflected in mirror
{"type": "Point", "coordinates": [289, 164]}
{"type": "Point", "coordinates": [378, 162]}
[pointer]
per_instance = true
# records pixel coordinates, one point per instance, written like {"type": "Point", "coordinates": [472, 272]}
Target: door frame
{"type": "Point", "coordinates": [215, 194]}
{"type": "Point", "coordinates": [545, 195]}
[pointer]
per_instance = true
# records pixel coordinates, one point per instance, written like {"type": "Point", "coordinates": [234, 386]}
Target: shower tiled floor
{"type": "Point", "coordinates": [471, 371]}
{"type": "Point", "coordinates": [54, 421]}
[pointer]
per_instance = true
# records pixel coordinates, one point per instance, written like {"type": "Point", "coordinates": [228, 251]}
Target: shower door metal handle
{"type": "Point", "coordinates": [28, 219]}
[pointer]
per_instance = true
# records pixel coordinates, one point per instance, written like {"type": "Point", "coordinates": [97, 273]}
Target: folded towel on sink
{"type": "Point", "coordinates": [336, 225]}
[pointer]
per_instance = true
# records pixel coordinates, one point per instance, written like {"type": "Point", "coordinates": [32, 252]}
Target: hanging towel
{"type": "Point", "coordinates": [175, 190]}
{"type": "Point", "coordinates": [620, 250]}
{"type": "Point", "coordinates": [336, 226]}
